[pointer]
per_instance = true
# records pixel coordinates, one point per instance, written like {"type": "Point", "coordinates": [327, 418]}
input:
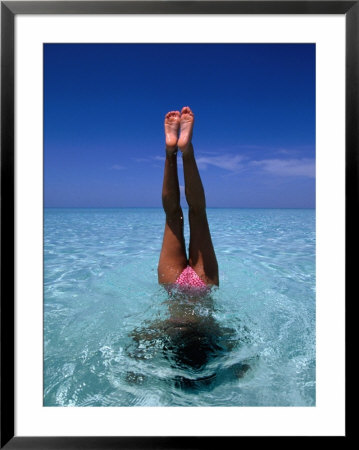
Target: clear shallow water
{"type": "Point", "coordinates": [106, 336]}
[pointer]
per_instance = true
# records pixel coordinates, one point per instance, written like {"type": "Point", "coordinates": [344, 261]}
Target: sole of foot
{"type": "Point", "coordinates": [186, 129]}
{"type": "Point", "coordinates": [172, 125]}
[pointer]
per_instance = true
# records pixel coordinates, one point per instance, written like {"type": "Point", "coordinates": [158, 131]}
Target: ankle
{"type": "Point", "coordinates": [187, 151]}
{"type": "Point", "coordinates": [171, 152]}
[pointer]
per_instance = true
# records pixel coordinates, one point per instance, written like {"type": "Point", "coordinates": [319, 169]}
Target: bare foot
{"type": "Point", "coordinates": [187, 121]}
{"type": "Point", "coordinates": [172, 123]}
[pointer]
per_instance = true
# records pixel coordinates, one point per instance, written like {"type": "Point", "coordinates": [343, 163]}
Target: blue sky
{"type": "Point", "coordinates": [254, 136]}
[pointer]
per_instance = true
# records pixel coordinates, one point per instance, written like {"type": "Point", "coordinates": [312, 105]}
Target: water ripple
{"type": "Point", "coordinates": [100, 285]}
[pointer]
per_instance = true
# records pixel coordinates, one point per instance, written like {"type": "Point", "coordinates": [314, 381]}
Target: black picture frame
{"type": "Point", "coordinates": [9, 9]}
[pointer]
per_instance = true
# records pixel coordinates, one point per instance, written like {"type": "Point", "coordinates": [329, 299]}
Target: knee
{"type": "Point", "coordinates": [170, 205]}
{"type": "Point", "coordinates": [173, 212]}
{"type": "Point", "coordinates": [198, 210]}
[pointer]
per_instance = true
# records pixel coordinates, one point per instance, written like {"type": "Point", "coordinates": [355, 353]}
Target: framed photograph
{"type": "Point", "coordinates": [179, 185]}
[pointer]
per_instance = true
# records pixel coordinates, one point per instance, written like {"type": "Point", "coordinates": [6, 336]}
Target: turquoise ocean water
{"type": "Point", "coordinates": [105, 343]}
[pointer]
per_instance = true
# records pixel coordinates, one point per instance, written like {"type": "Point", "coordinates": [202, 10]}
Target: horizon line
{"type": "Point", "coordinates": [184, 207]}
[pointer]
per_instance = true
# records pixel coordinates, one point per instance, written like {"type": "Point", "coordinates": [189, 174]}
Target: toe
{"type": "Point", "coordinates": [186, 110]}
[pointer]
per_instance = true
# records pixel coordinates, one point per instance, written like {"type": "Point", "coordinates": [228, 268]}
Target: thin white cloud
{"type": "Point", "coordinates": [232, 163]}
{"type": "Point", "coordinates": [141, 160]}
{"type": "Point", "coordinates": [118, 167]}
{"type": "Point", "coordinates": [287, 167]}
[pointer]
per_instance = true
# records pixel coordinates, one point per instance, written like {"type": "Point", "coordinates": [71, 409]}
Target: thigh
{"type": "Point", "coordinates": [202, 257]}
{"type": "Point", "coordinates": [173, 257]}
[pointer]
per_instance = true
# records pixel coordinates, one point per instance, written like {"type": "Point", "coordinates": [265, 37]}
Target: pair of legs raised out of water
{"type": "Point", "coordinates": [173, 258]}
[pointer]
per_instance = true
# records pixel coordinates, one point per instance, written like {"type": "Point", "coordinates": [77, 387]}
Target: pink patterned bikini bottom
{"type": "Point", "coordinates": [189, 278]}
